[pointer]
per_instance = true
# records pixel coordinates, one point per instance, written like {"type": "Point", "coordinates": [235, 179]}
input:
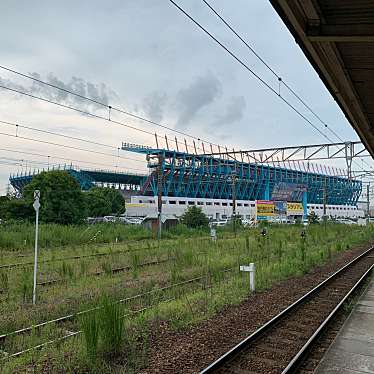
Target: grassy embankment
{"type": "Point", "coordinates": [184, 255]}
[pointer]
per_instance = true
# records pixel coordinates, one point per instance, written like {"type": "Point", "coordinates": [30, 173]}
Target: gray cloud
{"type": "Point", "coordinates": [199, 94]}
{"type": "Point", "coordinates": [234, 112]}
{"type": "Point", "coordinates": [97, 92]}
{"type": "Point", "coordinates": [153, 105]}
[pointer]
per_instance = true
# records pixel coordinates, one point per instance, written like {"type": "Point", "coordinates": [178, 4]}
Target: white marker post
{"type": "Point", "coordinates": [251, 268]}
{"type": "Point", "coordinates": [36, 206]}
{"type": "Point", "coordinates": [213, 234]}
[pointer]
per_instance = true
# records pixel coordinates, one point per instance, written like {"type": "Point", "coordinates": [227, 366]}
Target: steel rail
{"type": "Point", "coordinates": [3, 337]}
{"type": "Point", "coordinates": [102, 254]}
{"type": "Point", "coordinates": [71, 334]}
{"type": "Point", "coordinates": [113, 271]}
{"type": "Point", "coordinates": [271, 323]}
{"type": "Point", "coordinates": [299, 357]}
{"type": "Point", "coordinates": [75, 333]}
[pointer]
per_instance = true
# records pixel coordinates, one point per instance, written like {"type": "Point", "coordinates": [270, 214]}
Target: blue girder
{"type": "Point", "coordinates": [206, 177]}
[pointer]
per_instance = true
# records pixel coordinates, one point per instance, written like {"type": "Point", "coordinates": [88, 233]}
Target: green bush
{"type": "Point", "coordinates": [194, 217]}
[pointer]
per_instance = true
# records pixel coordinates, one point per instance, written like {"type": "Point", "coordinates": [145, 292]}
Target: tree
{"type": "Point", "coordinates": [104, 201]}
{"type": "Point", "coordinates": [313, 218]}
{"type": "Point", "coordinates": [194, 217]}
{"type": "Point", "coordinates": [12, 208]}
{"type": "Point", "coordinates": [61, 199]}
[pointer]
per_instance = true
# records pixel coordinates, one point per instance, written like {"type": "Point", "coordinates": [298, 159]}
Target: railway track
{"type": "Point", "coordinates": [116, 270]}
{"type": "Point", "coordinates": [94, 255]}
{"type": "Point", "coordinates": [71, 319]}
{"type": "Point", "coordinates": [283, 343]}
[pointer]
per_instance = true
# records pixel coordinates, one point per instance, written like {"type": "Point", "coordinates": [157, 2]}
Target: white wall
{"type": "Point", "coordinates": [221, 208]}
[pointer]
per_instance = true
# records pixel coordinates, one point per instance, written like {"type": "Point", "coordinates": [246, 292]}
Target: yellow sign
{"type": "Point", "coordinates": [265, 208]}
{"type": "Point", "coordinates": [295, 209]}
{"type": "Point", "coordinates": [135, 205]}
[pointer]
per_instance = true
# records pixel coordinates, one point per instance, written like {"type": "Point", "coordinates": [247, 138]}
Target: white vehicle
{"type": "Point", "coordinates": [110, 219]}
{"type": "Point", "coordinates": [131, 220]}
{"type": "Point", "coordinates": [346, 221]}
{"type": "Point", "coordinates": [220, 223]}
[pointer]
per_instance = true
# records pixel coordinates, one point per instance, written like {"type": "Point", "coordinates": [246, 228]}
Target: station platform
{"type": "Point", "coordinates": [352, 351]}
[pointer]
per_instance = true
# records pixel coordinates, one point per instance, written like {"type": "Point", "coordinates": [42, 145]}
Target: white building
{"type": "Point", "coordinates": [141, 206]}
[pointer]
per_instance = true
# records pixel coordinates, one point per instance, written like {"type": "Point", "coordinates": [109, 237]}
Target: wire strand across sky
{"type": "Point", "coordinates": [107, 106]}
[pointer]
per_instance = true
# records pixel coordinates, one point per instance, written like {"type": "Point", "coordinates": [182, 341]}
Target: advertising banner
{"type": "Point", "coordinates": [288, 191]}
{"type": "Point", "coordinates": [280, 208]}
{"type": "Point", "coordinates": [295, 209]}
{"type": "Point", "coordinates": [264, 209]}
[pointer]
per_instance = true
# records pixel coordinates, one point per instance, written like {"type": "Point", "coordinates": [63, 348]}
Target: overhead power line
{"type": "Point", "coordinates": [91, 114]}
{"type": "Point", "coordinates": [279, 78]}
{"type": "Point", "coordinates": [18, 125]}
{"type": "Point", "coordinates": [252, 72]}
{"type": "Point", "coordinates": [107, 106]}
{"type": "Point", "coordinates": [60, 145]}
{"type": "Point", "coordinates": [53, 157]}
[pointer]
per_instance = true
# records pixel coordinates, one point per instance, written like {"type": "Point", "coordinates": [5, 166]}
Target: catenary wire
{"type": "Point", "coordinates": [60, 145]}
{"type": "Point", "coordinates": [273, 71]}
{"type": "Point", "coordinates": [280, 79]}
{"type": "Point", "coordinates": [17, 125]}
{"type": "Point", "coordinates": [261, 80]}
{"type": "Point", "coordinates": [58, 158]}
{"type": "Point", "coordinates": [109, 107]}
{"type": "Point", "coordinates": [233, 55]}
{"type": "Point", "coordinates": [81, 111]}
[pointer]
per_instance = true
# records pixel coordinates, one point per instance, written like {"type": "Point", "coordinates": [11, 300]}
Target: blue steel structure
{"type": "Point", "coordinates": [86, 178]}
{"type": "Point", "coordinates": [204, 176]}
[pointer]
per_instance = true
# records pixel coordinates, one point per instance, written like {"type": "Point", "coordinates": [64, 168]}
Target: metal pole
{"type": "Point", "coordinates": [234, 202]}
{"type": "Point", "coordinates": [324, 202]}
{"type": "Point", "coordinates": [367, 203]}
{"type": "Point", "coordinates": [36, 206]}
{"type": "Point", "coordinates": [159, 201]}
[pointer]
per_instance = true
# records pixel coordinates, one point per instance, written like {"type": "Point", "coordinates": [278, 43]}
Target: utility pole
{"type": "Point", "coordinates": [36, 206]}
{"type": "Point", "coordinates": [324, 201]}
{"type": "Point", "coordinates": [234, 202]}
{"type": "Point", "coordinates": [159, 193]}
{"type": "Point", "coordinates": [367, 202]}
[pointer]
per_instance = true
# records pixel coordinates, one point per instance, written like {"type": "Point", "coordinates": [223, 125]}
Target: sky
{"type": "Point", "coordinates": [146, 57]}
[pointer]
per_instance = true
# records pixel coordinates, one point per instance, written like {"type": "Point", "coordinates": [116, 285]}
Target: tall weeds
{"type": "Point", "coordinates": [89, 325]}
{"type": "Point", "coordinates": [111, 326]}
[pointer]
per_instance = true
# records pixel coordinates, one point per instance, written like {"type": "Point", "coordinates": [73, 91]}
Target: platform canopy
{"type": "Point", "coordinates": [337, 37]}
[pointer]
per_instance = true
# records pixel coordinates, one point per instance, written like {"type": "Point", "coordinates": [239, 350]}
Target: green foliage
{"type": "Point", "coordinates": [107, 267]}
{"type": "Point", "coordinates": [194, 217]}
{"type": "Point", "coordinates": [25, 285]}
{"type": "Point", "coordinates": [15, 209]}
{"type": "Point", "coordinates": [313, 218]}
{"type": "Point", "coordinates": [20, 235]}
{"type": "Point", "coordinates": [89, 325]}
{"type": "Point", "coordinates": [66, 271]}
{"type": "Point", "coordinates": [279, 256]}
{"type": "Point", "coordinates": [104, 201]}
{"type": "Point", "coordinates": [61, 198]}
{"type": "Point", "coordinates": [4, 281]}
{"type": "Point", "coordinates": [111, 326]}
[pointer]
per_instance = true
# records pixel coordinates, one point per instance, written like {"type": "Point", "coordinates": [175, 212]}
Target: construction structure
{"type": "Point", "coordinates": [337, 37]}
{"type": "Point", "coordinates": [128, 183]}
{"type": "Point", "coordinates": [226, 183]}
{"type": "Point", "coordinates": [223, 185]}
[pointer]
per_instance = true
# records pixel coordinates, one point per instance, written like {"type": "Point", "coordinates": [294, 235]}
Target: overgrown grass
{"type": "Point", "coordinates": [283, 253]}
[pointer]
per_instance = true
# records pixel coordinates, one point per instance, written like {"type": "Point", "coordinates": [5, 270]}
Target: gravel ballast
{"type": "Point", "coordinates": [193, 349]}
